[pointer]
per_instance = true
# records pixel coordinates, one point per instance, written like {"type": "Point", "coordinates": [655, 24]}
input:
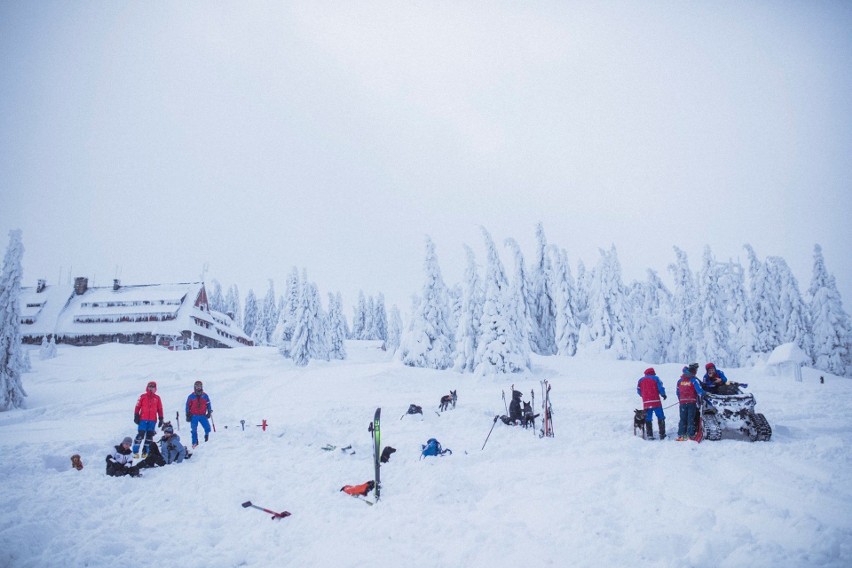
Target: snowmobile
{"type": "Point", "coordinates": [730, 408]}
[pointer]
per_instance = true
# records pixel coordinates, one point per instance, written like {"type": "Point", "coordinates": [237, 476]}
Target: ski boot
{"type": "Point", "coordinates": [649, 430]}
{"type": "Point", "coordinates": [662, 425]}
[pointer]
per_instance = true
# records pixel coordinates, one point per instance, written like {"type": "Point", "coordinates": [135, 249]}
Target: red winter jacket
{"type": "Point", "coordinates": [688, 389]}
{"type": "Point", "coordinates": [149, 407]}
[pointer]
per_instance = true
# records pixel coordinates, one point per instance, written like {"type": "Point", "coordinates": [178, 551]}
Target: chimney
{"type": "Point", "coordinates": [81, 284]}
{"type": "Point", "coordinates": [40, 286]}
{"type": "Point", "coordinates": [116, 284]}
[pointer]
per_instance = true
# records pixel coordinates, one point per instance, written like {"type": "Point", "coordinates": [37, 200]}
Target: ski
{"type": "Point", "coordinates": [376, 431]}
{"type": "Point", "coordinates": [547, 410]}
{"type": "Point", "coordinates": [275, 515]}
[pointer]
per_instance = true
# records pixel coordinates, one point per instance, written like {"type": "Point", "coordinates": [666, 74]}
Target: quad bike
{"type": "Point", "coordinates": [730, 408]}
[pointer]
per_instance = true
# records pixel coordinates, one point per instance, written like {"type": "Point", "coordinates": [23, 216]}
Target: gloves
{"type": "Point", "coordinates": [136, 418]}
{"type": "Point", "coordinates": [160, 423]}
{"type": "Point", "coordinates": [188, 417]}
{"type": "Point", "coordinates": [209, 413]}
{"type": "Point", "coordinates": [664, 397]}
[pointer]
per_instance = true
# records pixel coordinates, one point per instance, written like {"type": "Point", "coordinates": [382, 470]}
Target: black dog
{"type": "Point", "coordinates": [639, 422]}
{"type": "Point", "coordinates": [447, 400]}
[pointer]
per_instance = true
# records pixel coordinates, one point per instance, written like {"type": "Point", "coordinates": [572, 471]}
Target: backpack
{"type": "Point", "coordinates": [433, 448]}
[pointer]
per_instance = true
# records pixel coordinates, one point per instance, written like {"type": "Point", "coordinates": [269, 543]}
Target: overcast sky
{"type": "Point", "coordinates": [143, 140]}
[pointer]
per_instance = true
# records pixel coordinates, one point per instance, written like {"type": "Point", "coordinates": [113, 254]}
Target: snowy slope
{"type": "Point", "coordinates": [594, 495]}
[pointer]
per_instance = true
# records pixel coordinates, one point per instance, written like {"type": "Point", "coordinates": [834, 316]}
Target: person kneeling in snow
{"type": "Point", "coordinates": [171, 448]}
{"type": "Point", "coordinates": [120, 462]}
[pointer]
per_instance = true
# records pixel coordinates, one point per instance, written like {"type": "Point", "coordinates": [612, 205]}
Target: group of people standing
{"type": "Point", "coordinates": [148, 415]}
{"type": "Point", "coordinates": [689, 391]}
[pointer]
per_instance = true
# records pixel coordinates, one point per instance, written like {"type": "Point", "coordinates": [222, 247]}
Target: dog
{"type": "Point", "coordinates": [447, 400]}
{"type": "Point", "coordinates": [639, 422]}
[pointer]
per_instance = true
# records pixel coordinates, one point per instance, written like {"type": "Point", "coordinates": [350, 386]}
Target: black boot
{"type": "Point", "coordinates": [662, 425]}
{"type": "Point", "coordinates": [649, 429]}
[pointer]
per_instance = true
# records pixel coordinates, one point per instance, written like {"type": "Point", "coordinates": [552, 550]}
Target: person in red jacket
{"type": "Point", "coordinates": [651, 389]}
{"type": "Point", "coordinates": [148, 414]}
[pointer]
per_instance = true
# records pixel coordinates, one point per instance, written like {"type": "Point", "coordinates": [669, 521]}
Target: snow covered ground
{"type": "Point", "coordinates": [594, 495]}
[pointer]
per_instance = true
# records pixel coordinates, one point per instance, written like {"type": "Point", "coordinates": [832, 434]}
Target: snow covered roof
{"type": "Point", "coordinates": [41, 306]}
{"type": "Point", "coordinates": [788, 352]}
{"type": "Point", "coordinates": [156, 309]}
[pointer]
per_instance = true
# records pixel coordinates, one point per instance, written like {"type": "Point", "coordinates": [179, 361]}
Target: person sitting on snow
{"type": "Point", "coordinates": [713, 378]}
{"type": "Point", "coordinates": [120, 462]}
{"type": "Point", "coordinates": [651, 389]}
{"type": "Point", "coordinates": [171, 448]}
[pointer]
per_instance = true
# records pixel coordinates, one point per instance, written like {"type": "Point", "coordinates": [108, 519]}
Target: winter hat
{"type": "Point", "coordinates": [693, 367]}
{"type": "Point", "coordinates": [709, 366]}
{"type": "Point", "coordinates": [650, 371]}
{"type": "Point", "coordinates": [198, 385]}
{"type": "Point", "coordinates": [127, 440]}
{"type": "Point", "coordinates": [168, 429]}
{"type": "Point", "coordinates": [152, 384]}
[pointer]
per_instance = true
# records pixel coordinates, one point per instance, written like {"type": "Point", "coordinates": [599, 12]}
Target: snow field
{"type": "Point", "coordinates": [594, 495]}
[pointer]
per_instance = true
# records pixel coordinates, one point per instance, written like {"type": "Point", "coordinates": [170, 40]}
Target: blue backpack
{"type": "Point", "coordinates": [433, 448]}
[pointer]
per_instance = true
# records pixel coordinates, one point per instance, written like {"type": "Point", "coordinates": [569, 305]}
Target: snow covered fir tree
{"type": "Point", "coordinates": [720, 312]}
{"type": "Point", "coordinates": [12, 362]}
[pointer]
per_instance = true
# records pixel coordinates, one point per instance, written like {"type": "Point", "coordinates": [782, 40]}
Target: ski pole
{"type": "Point", "coordinates": [502, 392]}
{"type": "Point", "coordinates": [212, 423]}
{"type": "Point", "coordinates": [489, 432]}
{"type": "Point", "coordinates": [275, 515]}
{"type": "Point", "coordinates": [177, 419]}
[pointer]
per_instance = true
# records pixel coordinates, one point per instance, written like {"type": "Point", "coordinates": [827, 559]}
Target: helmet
{"type": "Point", "coordinates": [152, 384]}
{"type": "Point", "coordinates": [693, 367]}
{"type": "Point", "coordinates": [198, 385]}
{"type": "Point", "coordinates": [650, 371]}
{"type": "Point", "coordinates": [710, 366]}
{"type": "Point", "coordinates": [168, 429]}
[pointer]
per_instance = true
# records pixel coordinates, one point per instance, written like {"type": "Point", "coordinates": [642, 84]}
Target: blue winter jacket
{"type": "Point", "coordinates": [706, 381]}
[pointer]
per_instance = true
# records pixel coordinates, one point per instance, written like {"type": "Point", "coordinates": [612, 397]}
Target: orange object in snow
{"type": "Point", "coordinates": [362, 489]}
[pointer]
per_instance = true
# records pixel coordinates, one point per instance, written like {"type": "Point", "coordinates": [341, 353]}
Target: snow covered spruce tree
{"type": "Point", "coordinates": [566, 327]}
{"type": "Point", "coordinates": [11, 353]}
{"type": "Point", "coordinates": [794, 325]}
{"type": "Point", "coordinates": [216, 300]}
{"type": "Point", "coordinates": [309, 336]}
{"type": "Point", "coordinates": [500, 349]}
{"type": "Point", "coordinates": [232, 304]}
{"type": "Point", "coordinates": [380, 319]}
{"type": "Point", "coordinates": [251, 314]}
{"type": "Point", "coordinates": [609, 320]}
{"type": "Point", "coordinates": [394, 330]}
{"type": "Point", "coordinates": [541, 299]}
{"type": "Point", "coordinates": [519, 294]}
{"type": "Point", "coordinates": [467, 332]}
{"type": "Point", "coordinates": [336, 327]}
{"type": "Point", "coordinates": [733, 289]}
{"type": "Point", "coordinates": [685, 320]}
{"type": "Point", "coordinates": [359, 317]}
{"type": "Point", "coordinates": [287, 317]}
{"type": "Point", "coordinates": [830, 323]}
{"type": "Point", "coordinates": [763, 297]}
{"type": "Point", "coordinates": [650, 303]}
{"type": "Point", "coordinates": [48, 348]}
{"type": "Point", "coordinates": [714, 342]}
{"type": "Point", "coordinates": [268, 319]}
{"type": "Point", "coordinates": [430, 341]}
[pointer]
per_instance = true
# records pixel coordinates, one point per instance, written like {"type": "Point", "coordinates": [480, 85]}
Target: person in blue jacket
{"type": "Point", "coordinates": [713, 378]}
{"type": "Point", "coordinates": [689, 393]}
{"type": "Point", "coordinates": [651, 389]}
{"type": "Point", "coordinates": [198, 410]}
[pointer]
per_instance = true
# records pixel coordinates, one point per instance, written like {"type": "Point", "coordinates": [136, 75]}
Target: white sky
{"type": "Point", "coordinates": [145, 140]}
